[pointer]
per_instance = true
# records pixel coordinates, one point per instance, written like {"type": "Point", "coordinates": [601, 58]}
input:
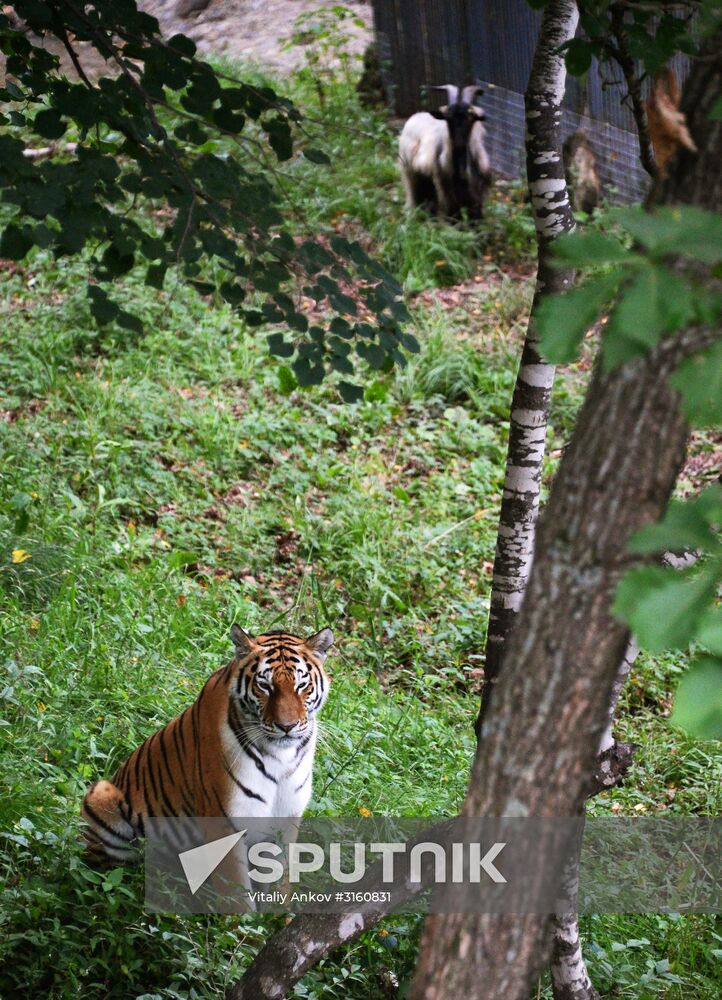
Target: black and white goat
{"type": "Point", "coordinates": [444, 163]}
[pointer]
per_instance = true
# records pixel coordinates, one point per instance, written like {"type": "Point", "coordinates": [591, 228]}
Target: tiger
{"type": "Point", "coordinates": [245, 747]}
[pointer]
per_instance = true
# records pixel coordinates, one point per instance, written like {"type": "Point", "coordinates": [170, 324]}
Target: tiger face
{"type": "Point", "coordinates": [281, 683]}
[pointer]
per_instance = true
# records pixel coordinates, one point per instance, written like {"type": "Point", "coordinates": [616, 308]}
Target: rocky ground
{"type": "Point", "coordinates": [252, 30]}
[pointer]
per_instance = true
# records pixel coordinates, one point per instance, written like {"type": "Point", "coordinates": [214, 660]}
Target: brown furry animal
{"type": "Point", "coordinates": [580, 170]}
{"type": "Point", "coordinates": [667, 124]}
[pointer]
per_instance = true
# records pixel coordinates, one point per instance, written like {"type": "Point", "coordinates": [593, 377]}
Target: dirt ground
{"type": "Point", "coordinates": [252, 30]}
{"type": "Point", "coordinates": [255, 31]}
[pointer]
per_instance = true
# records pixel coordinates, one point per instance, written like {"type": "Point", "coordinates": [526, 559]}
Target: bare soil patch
{"type": "Point", "coordinates": [256, 31]}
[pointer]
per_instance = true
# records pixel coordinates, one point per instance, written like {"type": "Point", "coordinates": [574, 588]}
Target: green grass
{"type": "Point", "coordinates": [164, 487]}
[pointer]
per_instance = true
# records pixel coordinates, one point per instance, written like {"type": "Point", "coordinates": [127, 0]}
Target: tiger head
{"type": "Point", "coordinates": [281, 683]}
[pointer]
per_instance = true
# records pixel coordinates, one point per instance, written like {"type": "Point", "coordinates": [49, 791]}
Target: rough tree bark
{"type": "Point", "coordinates": [551, 704]}
{"type": "Point", "coordinates": [532, 392]}
{"type": "Point", "coordinates": [570, 978]}
{"type": "Point", "coordinates": [539, 739]}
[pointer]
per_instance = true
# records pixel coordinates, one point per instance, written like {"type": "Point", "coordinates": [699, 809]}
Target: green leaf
{"type": "Point", "coordinates": [349, 392]}
{"type": "Point", "coordinates": [562, 320]}
{"type": "Point", "coordinates": [578, 56]}
{"type": "Point", "coordinates": [228, 120]}
{"type": "Point", "coordinates": [182, 44]}
{"type": "Point", "coordinates": [590, 248]}
{"type": "Point", "coordinates": [654, 302]}
{"type": "Point", "coordinates": [181, 558]}
{"type": "Point", "coordinates": [232, 293]}
{"type": "Point", "coordinates": [155, 275]}
{"type": "Point", "coordinates": [685, 525]}
{"type": "Point", "coordinates": [103, 310]}
{"type": "Point", "coordinates": [286, 381]}
{"type": "Point", "coordinates": [307, 373]}
{"type": "Point", "coordinates": [710, 631]}
{"type": "Point", "coordinates": [699, 380]}
{"type": "Point", "coordinates": [15, 242]}
{"type": "Point", "coordinates": [316, 156]}
{"type": "Point", "coordinates": [698, 704]}
{"type": "Point", "coordinates": [49, 124]}
{"type": "Point", "coordinates": [128, 321]}
{"type": "Point", "coordinates": [664, 607]}
{"type": "Point", "coordinates": [686, 230]}
{"type": "Point", "coordinates": [279, 137]}
{"type": "Point", "coordinates": [14, 91]}
{"type": "Point", "coordinates": [372, 353]}
{"type": "Point", "coordinates": [278, 346]}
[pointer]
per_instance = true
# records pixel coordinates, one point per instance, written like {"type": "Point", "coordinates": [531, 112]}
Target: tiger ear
{"type": "Point", "coordinates": [320, 642]}
{"type": "Point", "coordinates": [243, 641]}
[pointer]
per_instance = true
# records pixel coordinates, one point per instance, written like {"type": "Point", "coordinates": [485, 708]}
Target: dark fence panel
{"type": "Point", "coordinates": [428, 42]}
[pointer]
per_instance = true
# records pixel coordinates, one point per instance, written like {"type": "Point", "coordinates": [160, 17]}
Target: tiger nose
{"type": "Point", "coordinates": [285, 728]}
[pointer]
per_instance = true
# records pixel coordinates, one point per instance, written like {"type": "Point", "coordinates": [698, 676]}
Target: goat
{"type": "Point", "coordinates": [444, 163]}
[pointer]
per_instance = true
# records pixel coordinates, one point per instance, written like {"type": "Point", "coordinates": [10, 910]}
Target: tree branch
{"type": "Point", "coordinates": [621, 54]}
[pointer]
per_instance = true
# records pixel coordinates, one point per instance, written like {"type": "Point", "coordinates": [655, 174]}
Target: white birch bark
{"type": "Point", "coordinates": [529, 420]}
{"type": "Point", "coordinates": [532, 393]}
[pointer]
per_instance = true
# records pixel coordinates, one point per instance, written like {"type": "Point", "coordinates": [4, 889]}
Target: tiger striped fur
{"type": "Point", "coordinates": [245, 747]}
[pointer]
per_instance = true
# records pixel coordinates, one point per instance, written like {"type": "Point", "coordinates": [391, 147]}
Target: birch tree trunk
{"type": "Point", "coordinates": [530, 412]}
{"type": "Point", "coordinates": [532, 393]}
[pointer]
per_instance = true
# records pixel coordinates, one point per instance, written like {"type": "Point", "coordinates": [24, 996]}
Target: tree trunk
{"type": "Point", "coordinates": [687, 183]}
{"type": "Point", "coordinates": [286, 957]}
{"type": "Point", "coordinates": [530, 412]}
{"type": "Point", "coordinates": [570, 979]}
{"type": "Point", "coordinates": [551, 703]}
{"type": "Point", "coordinates": [532, 392]}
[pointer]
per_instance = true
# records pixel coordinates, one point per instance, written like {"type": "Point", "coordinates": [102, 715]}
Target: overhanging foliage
{"type": "Point", "coordinates": [166, 131]}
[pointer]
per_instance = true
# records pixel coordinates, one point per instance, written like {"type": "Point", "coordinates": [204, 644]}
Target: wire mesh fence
{"type": "Point", "coordinates": [427, 42]}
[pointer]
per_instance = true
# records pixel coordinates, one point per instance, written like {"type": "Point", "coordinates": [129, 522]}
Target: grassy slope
{"type": "Point", "coordinates": [171, 489]}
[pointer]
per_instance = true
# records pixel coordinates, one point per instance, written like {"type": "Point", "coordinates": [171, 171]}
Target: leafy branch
{"type": "Point", "coordinates": [668, 608]}
{"type": "Point", "coordinates": [648, 292]}
{"type": "Point", "coordinates": [174, 167]}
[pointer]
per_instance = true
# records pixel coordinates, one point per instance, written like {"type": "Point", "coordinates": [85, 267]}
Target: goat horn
{"type": "Point", "coordinates": [452, 92]}
{"type": "Point", "coordinates": [469, 93]}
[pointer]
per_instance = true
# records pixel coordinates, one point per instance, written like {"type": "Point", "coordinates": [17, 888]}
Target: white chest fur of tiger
{"type": "Point", "coordinates": [245, 747]}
